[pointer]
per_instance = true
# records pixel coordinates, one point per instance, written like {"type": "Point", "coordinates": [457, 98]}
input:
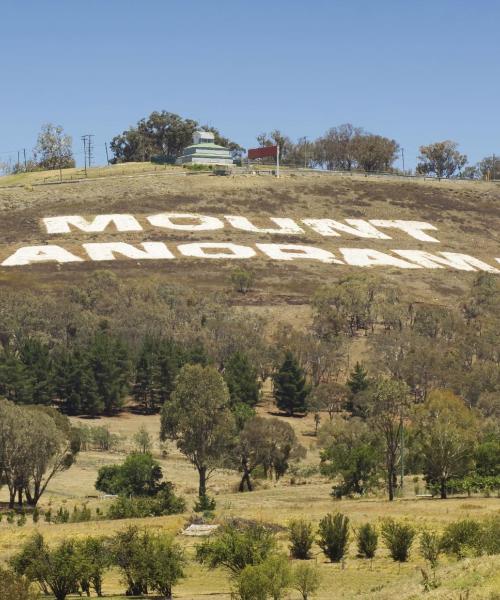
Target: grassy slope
{"type": "Point", "coordinates": [467, 216]}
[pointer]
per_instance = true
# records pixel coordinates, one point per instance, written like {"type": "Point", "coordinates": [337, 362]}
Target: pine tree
{"type": "Point", "coordinates": [75, 384]}
{"type": "Point", "coordinates": [110, 364]}
{"type": "Point", "coordinates": [146, 390]}
{"type": "Point", "coordinates": [15, 380]}
{"type": "Point", "coordinates": [290, 388]}
{"type": "Point", "coordinates": [170, 361]}
{"type": "Point", "coordinates": [358, 379]}
{"type": "Point", "coordinates": [242, 381]}
{"type": "Point", "coordinates": [38, 362]}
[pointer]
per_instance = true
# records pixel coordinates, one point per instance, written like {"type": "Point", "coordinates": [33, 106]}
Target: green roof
{"type": "Point", "coordinates": [209, 146]}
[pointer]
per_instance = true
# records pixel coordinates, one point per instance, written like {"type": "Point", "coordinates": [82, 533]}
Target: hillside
{"type": "Point", "coordinates": [466, 216]}
{"type": "Point", "coordinates": [428, 239]}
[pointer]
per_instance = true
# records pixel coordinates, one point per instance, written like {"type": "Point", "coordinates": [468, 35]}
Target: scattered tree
{"type": "Point", "coordinates": [54, 148]}
{"type": "Point", "coordinates": [334, 536]}
{"type": "Point", "coordinates": [197, 416]}
{"type": "Point", "coordinates": [290, 388]}
{"type": "Point", "coordinates": [441, 159]}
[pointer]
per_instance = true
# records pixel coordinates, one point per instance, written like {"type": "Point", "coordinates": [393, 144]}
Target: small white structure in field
{"type": "Point", "coordinates": [204, 151]}
{"type": "Point", "coordinates": [195, 530]}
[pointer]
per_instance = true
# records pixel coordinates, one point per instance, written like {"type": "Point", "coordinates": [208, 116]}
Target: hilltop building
{"type": "Point", "coordinates": [204, 151]}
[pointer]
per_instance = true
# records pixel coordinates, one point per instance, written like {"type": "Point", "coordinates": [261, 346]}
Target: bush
{"type": "Point", "coordinates": [461, 537]}
{"type": "Point", "coordinates": [164, 503]}
{"type": "Point", "coordinates": [367, 540]}
{"type": "Point", "coordinates": [268, 579]}
{"type": "Point", "coordinates": [242, 280]}
{"type": "Point", "coordinates": [166, 564]}
{"type": "Point", "coordinates": [301, 537]}
{"type": "Point", "coordinates": [205, 504]}
{"type": "Point", "coordinates": [398, 538]}
{"type": "Point", "coordinates": [430, 547]}
{"type": "Point", "coordinates": [15, 587]}
{"type": "Point", "coordinates": [139, 475]}
{"type": "Point", "coordinates": [234, 547]}
{"type": "Point", "coordinates": [490, 535]}
{"type": "Point", "coordinates": [334, 536]}
{"type": "Point", "coordinates": [306, 579]}
{"type": "Point", "coordinates": [56, 569]}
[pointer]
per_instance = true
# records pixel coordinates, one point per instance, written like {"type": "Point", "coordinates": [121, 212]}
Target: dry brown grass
{"type": "Point", "coordinates": [468, 218]}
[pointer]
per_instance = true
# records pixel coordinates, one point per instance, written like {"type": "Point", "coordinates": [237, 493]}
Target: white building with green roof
{"type": "Point", "coordinates": [204, 151]}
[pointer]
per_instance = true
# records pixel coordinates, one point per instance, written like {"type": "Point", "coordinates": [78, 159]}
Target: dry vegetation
{"type": "Point", "coordinates": [468, 218]}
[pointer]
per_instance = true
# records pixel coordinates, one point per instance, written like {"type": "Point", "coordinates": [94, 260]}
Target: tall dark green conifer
{"type": "Point", "coordinates": [75, 384]}
{"type": "Point", "coordinates": [290, 387]}
{"type": "Point", "coordinates": [15, 380]}
{"type": "Point", "coordinates": [36, 357]}
{"type": "Point", "coordinates": [358, 380]}
{"type": "Point", "coordinates": [110, 364]}
{"type": "Point", "coordinates": [242, 381]}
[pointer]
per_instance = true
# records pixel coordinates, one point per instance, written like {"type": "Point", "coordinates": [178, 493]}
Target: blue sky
{"type": "Point", "coordinates": [414, 71]}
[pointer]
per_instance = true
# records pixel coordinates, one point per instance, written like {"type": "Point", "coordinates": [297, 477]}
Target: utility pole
{"type": "Point", "coordinates": [18, 160]}
{"type": "Point", "coordinates": [25, 163]}
{"type": "Point", "coordinates": [88, 148]}
{"type": "Point", "coordinates": [402, 454]}
{"type": "Point", "coordinates": [106, 148]}
{"type": "Point", "coordinates": [305, 152]}
{"type": "Point", "coordinates": [403, 159]}
{"type": "Point", "coordinates": [494, 167]}
{"type": "Point", "coordinates": [277, 161]}
{"type": "Point", "coordinates": [84, 140]}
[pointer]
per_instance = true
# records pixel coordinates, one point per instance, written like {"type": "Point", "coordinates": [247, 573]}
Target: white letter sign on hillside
{"type": "Point", "coordinates": [285, 226]}
{"type": "Point", "coordinates": [100, 223]}
{"type": "Point", "coordinates": [223, 250]}
{"type": "Point", "coordinates": [462, 262]}
{"type": "Point", "coordinates": [107, 250]}
{"type": "Point", "coordinates": [364, 257]}
{"type": "Point", "coordinates": [39, 254]}
{"type": "Point", "coordinates": [413, 228]}
{"type": "Point", "coordinates": [297, 251]}
{"type": "Point", "coordinates": [135, 249]}
{"type": "Point", "coordinates": [356, 227]}
{"type": "Point", "coordinates": [201, 222]}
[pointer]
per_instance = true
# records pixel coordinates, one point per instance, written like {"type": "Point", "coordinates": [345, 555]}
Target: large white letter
{"type": "Point", "coordinates": [412, 228]}
{"type": "Point", "coordinates": [227, 250]}
{"type": "Point", "coordinates": [297, 251]}
{"type": "Point", "coordinates": [106, 251]}
{"type": "Point", "coordinates": [62, 224]}
{"type": "Point", "coordinates": [360, 228]}
{"type": "Point", "coordinates": [462, 262]}
{"type": "Point", "coordinates": [203, 223]}
{"type": "Point", "coordinates": [287, 226]}
{"type": "Point", "coordinates": [364, 257]}
{"type": "Point", "coordinates": [36, 254]}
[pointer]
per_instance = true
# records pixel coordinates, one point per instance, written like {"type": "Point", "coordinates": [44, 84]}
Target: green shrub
{"type": "Point", "coordinates": [367, 540]}
{"type": "Point", "coordinates": [235, 546]}
{"type": "Point", "coordinates": [301, 537]}
{"type": "Point", "coordinates": [205, 504]}
{"type": "Point", "coordinates": [490, 535]}
{"type": "Point", "coordinates": [268, 579]}
{"type": "Point", "coordinates": [15, 587]}
{"type": "Point", "coordinates": [306, 579]}
{"type": "Point", "coordinates": [334, 536]}
{"type": "Point", "coordinates": [164, 503]}
{"type": "Point", "coordinates": [398, 538]}
{"type": "Point", "coordinates": [461, 537]}
{"type": "Point", "coordinates": [430, 547]}
{"type": "Point", "coordinates": [21, 520]}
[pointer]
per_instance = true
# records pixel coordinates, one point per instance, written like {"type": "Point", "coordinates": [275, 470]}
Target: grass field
{"type": "Point", "coordinates": [276, 503]}
{"type": "Point", "coordinates": [468, 219]}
